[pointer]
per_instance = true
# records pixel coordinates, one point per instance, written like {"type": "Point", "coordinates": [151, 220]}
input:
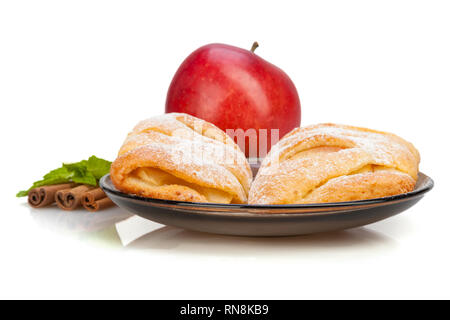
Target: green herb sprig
{"type": "Point", "coordinates": [83, 172]}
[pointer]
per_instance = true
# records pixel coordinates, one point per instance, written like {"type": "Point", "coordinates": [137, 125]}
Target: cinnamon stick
{"type": "Point", "coordinates": [45, 195]}
{"type": "Point", "coordinates": [95, 200]}
{"type": "Point", "coordinates": [70, 199]}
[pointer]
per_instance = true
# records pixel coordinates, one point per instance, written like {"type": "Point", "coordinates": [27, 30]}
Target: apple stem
{"type": "Point", "coordinates": [254, 46]}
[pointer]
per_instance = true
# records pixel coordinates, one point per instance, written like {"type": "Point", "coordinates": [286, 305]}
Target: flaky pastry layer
{"type": "Point", "coordinates": [334, 163]}
{"type": "Point", "coordinates": [180, 157]}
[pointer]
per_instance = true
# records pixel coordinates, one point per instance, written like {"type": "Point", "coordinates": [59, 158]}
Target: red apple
{"type": "Point", "coordinates": [235, 89]}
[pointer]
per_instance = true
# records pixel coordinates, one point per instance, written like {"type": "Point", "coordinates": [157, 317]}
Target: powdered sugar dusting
{"type": "Point", "coordinates": [303, 160]}
{"type": "Point", "coordinates": [182, 148]}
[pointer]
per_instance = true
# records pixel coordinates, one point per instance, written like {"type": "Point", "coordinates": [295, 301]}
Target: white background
{"type": "Point", "coordinates": [75, 76]}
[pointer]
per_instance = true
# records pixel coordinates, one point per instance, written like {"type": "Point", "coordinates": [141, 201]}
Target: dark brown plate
{"type": "Point", "coordinates": [267, 220]}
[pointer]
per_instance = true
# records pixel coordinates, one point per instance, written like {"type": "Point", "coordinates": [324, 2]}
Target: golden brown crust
{"type": "Point", "coordinates": [362, 186]}
{"type": "Point", "coordinates": [191, 159]}
{"type": "Point", "coordinates": [330, 163]}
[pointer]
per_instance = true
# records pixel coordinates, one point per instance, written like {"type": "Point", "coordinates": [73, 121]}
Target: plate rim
{"type": "Point", "coordinates": [428, 185]}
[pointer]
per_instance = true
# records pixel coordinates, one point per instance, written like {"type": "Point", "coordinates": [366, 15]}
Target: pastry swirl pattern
{"type": "Point", "coordinates": [179, 157]}
{"type": "Point", "coordinates": [334, 163]}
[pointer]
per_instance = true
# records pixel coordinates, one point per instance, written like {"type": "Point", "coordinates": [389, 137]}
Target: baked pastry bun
{"type": "Point", "coordinates": [334, 163]}
{"type": "Point", "coordinates": [179, 157]}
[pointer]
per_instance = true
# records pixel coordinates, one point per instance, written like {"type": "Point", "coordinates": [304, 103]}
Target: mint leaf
{"type": "Point", "coordinates": [98, 167]}
{"type": "Point", "coordinates": [47, 181]}
{"type": "Point", "coordinates": [22, 193]}
{"type": "Point", "coordinates": [81, 174]}
{"type": "Point", "coordinates": [85, 178]}
{"type": "Point", "coordinates": [76, 166]}
{"type": "Point", "coordinates": [84, 172]}
{"type": "Point", "coordinates": [62, 173]}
